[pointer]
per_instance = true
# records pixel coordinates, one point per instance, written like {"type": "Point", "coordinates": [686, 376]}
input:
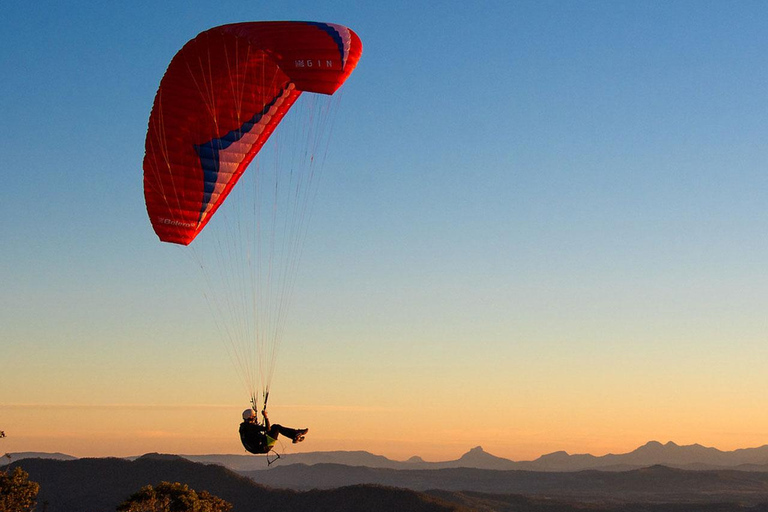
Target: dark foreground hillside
{"type": "Point", "coordinates": [99, 485]}
{"type": "Point", "coordinates": [516, 503]}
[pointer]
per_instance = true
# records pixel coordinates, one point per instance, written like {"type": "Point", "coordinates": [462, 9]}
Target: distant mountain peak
{"type": "Point", "coordinates": [655, 446]}
{"type": "Point", "coordinates": [477, 457]}
{"type": "Point", "coordinates": [560, 454]}
{"type": "Point", "coordinates": [160, 456]}
{"type": "Point", "coordinates": [415, 459]}
{"type": "Point", "coordinates": [475, 453]}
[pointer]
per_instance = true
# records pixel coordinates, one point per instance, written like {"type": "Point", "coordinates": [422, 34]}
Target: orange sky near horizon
{"type": "Point", "coordinates": [130, 430]}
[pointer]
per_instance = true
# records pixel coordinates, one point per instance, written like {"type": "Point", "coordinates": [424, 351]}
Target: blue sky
{"type": "Point", "coordinates": [552, 208]}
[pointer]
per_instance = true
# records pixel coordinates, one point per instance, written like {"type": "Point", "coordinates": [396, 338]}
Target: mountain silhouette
{"type": "Point", "coordinates": [478, 458]}
{"type": "Point", "coordinates": [101, 484]}
{"type": "Point", "coordinates": [39, 455]}
{"type": "Point", "coordinates": [87, 485]}
{"type": "Point", "coordinates": [652, 484]}
{"type": "Point", "coordinates": [652, 453]}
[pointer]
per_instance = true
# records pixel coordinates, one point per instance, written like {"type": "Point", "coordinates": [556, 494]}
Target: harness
{"type": "Point", "coordinates": [259, 443]}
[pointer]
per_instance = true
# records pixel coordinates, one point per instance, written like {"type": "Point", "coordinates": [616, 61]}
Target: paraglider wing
{"type": "Point", "coordinates": [222, 96]}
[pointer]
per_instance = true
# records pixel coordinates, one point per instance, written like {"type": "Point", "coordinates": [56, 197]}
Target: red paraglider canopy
{"type": "Point", "coordinates": [222, 96]}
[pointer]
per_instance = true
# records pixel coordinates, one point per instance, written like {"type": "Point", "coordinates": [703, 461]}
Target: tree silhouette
{"type": "Point", "coordinates": [173, 497]}
{"type": "Point", "coordinates": [17, 493]}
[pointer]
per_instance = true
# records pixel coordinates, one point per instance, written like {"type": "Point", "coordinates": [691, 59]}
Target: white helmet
{"type": "Point", "coordinates": [248, 414]}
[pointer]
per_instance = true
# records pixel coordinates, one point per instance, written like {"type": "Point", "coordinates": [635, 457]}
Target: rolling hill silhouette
{"type": "Point", "coordinates": [87, 485]}
{"type": "Point", "coordinates": [101, 484]}
{"type": "Point", "coordinates": [656, 483]}
{"type": "Point", "coordinates": [652, 453]}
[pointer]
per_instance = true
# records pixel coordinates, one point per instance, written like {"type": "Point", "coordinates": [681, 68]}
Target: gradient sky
{"type": "Point", "coordinates": [542, 227]}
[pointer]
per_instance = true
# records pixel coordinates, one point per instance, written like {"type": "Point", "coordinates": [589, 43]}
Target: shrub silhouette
{"type": "Point", "coordinates": [173, 497]}
{"type": "Point", "coordinates": [17, 493]}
